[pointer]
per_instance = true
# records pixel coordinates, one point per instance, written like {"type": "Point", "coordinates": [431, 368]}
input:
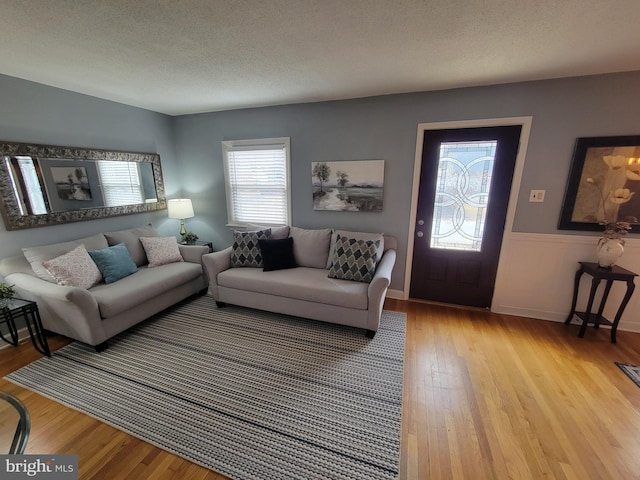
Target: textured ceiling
{"type": "Point", "coordinates": [191, 56]}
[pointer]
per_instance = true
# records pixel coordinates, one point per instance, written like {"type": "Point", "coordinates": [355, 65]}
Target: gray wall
{"type": "Point", "coordinates": [385, 128]}
{"type": "Point", "coordinates": [370, 128]}
{"type": "Point", "coordinates": [34, 113]}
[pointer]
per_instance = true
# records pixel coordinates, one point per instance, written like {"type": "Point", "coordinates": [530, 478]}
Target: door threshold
{"type": "Point", "coordinates": [452, 305]}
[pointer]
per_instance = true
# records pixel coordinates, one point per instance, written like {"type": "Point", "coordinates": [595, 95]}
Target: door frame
{"type": "Point", "coordinates": [513, 194]}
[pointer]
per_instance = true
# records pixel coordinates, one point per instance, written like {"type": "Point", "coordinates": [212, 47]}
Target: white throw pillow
{"type": "Point", "coordinates": [74, 269]}
{"type": "Point", "coordinates": [161, 250]}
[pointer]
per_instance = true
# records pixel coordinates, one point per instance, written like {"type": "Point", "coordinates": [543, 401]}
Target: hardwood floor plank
{"type": "Point", "coordinates": [486, 396]}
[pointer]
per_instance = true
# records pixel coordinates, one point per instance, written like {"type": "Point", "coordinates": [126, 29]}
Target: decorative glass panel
{"type": "Point", "coordinates": [462, 191]}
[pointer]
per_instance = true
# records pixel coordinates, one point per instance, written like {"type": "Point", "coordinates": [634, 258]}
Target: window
{"type": "Point", "coordinates": [120, 183]}
{"type": "Point", "coordinates": [257, 181]}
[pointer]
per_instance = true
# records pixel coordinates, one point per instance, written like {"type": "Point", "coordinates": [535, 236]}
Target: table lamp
{"type": "Point", "coordinates": [180, 208]}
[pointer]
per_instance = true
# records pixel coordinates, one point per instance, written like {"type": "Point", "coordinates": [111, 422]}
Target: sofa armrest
{"type": "Point", "coordinates": [378, 288]}
{"type": "Point", "coordinates": [70, 311]}
{"type": "Point", "coordinates": [193, 253]}
{"type": "Point", "coordinates": [215, 263]}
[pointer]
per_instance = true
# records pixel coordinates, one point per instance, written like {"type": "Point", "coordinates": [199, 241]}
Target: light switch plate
{"type": "Point", "coordinates": [536, 196]}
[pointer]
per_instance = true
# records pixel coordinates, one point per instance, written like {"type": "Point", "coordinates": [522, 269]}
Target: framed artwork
{"type": "Point", "coordinates": [348, 186]}
{"type": "Point", "coordinates": [603, 185]}
{"type": "Point", "coordinates": [71, 183]}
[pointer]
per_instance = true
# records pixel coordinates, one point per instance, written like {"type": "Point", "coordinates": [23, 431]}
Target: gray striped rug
{"type": "Point", "coordinates": [248, 394]}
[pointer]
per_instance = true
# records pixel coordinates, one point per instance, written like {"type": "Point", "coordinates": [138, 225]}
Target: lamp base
{"type": "Point", "coordinates": [183, 230]}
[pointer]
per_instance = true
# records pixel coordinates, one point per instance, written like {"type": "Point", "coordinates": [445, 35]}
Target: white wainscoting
{"type": "Point", "coordinates": [536, 276]}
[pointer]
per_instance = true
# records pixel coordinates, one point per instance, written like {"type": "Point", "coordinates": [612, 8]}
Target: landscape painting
{"type": "Point", "coordinates": [348, 186]}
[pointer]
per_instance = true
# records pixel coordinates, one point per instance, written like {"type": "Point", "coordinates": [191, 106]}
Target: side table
{"type": "Point", "coordinates": [599, 274]}
{"type": "Point", "coordinates": [16, 308]}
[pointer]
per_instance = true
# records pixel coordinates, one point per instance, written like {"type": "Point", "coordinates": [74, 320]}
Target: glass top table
{"type": "Point", "coordinates": [15, 425]}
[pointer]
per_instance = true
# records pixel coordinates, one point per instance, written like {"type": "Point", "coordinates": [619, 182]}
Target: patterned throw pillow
{"type": "Point", "coordinates": [354, 259]}
{"type": "Point", "coordinates": [161, 250]}
{"type": "Point", "coordinates": [246, 249]}
{"type": "Point", "coordinates": [74, 269]}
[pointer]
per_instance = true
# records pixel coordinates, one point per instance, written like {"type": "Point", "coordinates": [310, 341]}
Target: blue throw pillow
{"type": "Point", "coordinates": [114, 262]}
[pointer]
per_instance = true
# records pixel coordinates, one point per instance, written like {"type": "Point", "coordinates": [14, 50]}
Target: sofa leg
{"type": "Point", "coordinates": [221, 304]}
{"type": "Point", "coordinates": [371, 333]}
{"type": "Point", "coordinates": [101, 347]}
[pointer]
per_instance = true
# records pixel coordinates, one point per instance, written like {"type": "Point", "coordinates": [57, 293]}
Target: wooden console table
{"type": "Point", "coordinates": [598, 274]}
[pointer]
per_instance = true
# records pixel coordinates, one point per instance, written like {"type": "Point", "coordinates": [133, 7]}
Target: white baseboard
{"type": "Point", "coordinates": [395, 294]}
{"type": "Point", "coordinates": [23, 334]}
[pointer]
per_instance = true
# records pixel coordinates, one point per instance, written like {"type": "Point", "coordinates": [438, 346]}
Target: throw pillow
{"type": "Point", "coordinates": [311, 247]}
{"type": "Point", "coordinates": [37, 255]}
{"type": "Point", "coordinates": [114, 262]}
{"type": "Point", "coordinates": [131, 238]}
{"type": "Point", "coordinates": [354, 259]}
{"type": "Point", "coordinates": [358, 236]}
{"type": "Point", "coordinates": [246, 249]}
{"type": "Point", "coordinates": [74, 269]}
{"type": "Point", "coordinates": [161, 250]}
{"type": "Point", "coordinates": [277, 254]}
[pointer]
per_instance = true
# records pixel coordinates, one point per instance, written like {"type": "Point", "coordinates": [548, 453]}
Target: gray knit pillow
{"type": "Point", "coordinates": [246, 250]}
{"type": "Point", "coordinates": [354, 259]}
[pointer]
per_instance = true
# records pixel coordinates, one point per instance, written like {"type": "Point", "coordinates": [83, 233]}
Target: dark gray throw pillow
{"type": "Point", "coordinates": [277, 254]}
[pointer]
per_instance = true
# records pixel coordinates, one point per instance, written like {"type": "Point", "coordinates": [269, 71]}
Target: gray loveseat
{"type": "Point", "coordinates": [93, 315]}
{"type": "Point", "coordinates": [307, 290]}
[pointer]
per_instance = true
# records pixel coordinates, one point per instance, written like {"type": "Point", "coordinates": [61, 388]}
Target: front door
{"type": "Point", "coordinates": [464, 190]}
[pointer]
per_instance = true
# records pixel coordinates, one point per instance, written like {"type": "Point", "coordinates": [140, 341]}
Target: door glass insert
{"type": "Point", "coordinates": [462, 190]}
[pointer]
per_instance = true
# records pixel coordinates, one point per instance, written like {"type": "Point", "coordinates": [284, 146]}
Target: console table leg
{"type": "Point", "coordinates": [587, 314]}
{"type": "Point", "coordinates": [576, 285]}
{"type": "Point", "coordinates": [630, 288]}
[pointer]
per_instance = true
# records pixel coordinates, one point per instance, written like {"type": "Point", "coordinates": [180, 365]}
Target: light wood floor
{"type": "Point", "coordinates": [486, 396]}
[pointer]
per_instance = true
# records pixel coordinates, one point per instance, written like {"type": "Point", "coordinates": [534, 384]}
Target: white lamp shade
{"type": "Point", "coordinates": [180, 208]}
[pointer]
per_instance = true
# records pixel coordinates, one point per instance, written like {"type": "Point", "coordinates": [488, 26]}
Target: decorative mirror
{"type": "Point", "coordinates": [44, 185]}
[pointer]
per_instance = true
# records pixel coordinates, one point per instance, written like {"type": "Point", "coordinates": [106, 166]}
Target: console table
{"type": "Point", "coordinates": [598, 274]}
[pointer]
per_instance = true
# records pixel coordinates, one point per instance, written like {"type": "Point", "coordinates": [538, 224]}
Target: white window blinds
{"type": "Point", "coordinates": [120, 182]}
{"type": "Point", "coordinates": [257, 181]}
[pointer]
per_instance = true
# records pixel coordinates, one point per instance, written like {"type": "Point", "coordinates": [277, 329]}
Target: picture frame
{"type": "Point", "coordinates": [603, 184]}
{"type": "Point", "coordinates": [348, 185]}
{"type": "Point", "coordinates": [71, 183]}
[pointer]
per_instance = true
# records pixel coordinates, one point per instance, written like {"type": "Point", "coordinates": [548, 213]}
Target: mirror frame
{"type": "Point", "coordinates": [13, 220]}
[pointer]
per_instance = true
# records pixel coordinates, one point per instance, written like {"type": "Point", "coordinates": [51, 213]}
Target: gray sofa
{"type": "Point", "coordinates": [98, 313]}
{"type": "Point", "coordinates": [307, 290]}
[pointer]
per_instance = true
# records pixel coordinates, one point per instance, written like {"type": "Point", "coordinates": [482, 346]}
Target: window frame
{"type": "Point", "coordinates": [262, 144]}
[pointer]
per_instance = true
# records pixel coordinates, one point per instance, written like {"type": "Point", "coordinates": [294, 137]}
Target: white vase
{"type": "Point", "coordinates": [609, 250]}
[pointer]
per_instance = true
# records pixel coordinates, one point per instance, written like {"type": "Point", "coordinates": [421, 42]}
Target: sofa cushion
{"type": "Point", "coordinates": [358, 236]}
{"type": "Point", "coordinates": [311, 247]}
{"type": "Point", "coordinates": [245, 251]}
{"type": "Point", "coordinates": [354, 259]}
{"type": "Point", "coordinates": [276, 232]}
{"type": "Point", "coordinates": [37, 255]}
{"type": "Point", "coordinates": [74, 269]}
{"type": "Point", "coordinates": [303, 283]}
{"type": "Point", "coordinates": [161, 250]}
{"type": "Point", "coordinates": [277, 254]}
{"type": "Point", "coordinates": [145, 284]}
{"type": "Point", "coordinates": [114, 262]}
{"type": "Point", "coordinates": [131, 238]}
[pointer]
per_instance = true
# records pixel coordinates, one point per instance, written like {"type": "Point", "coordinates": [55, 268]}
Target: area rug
{"type": "Point", "coordinates": [632, 371]}
{"type": "Point", "coordinates": [248, 394]}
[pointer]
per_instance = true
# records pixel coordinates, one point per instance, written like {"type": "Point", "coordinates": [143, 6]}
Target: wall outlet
{"type": "Point", "coordinates": [536, 196]}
